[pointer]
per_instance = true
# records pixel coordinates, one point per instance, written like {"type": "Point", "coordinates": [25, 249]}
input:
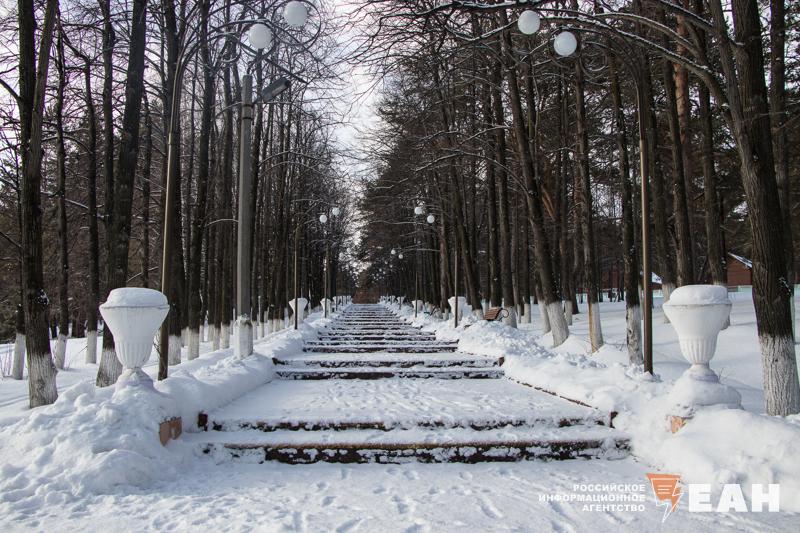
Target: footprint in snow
{"type": "Point", "coordinates": [411, 474]}
{"type": "Point", "coordinates": [419, 527]}
{"type": "Point", "coordinates": [327, 500]}
{"type": "Point", "coordinates": [404, 505]}
{"type": "Point", "coordinates": [350, 525]}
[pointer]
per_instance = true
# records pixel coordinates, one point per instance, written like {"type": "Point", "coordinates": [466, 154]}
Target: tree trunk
{"type": "Point", "coordinates": [506, 280]}
{"type": "Point", "coordinates": [585, 215]}
{"type": "Point", "coordinates": [633, 312]}
{"type": "Point", "coordinates": [120, 230]}
{"type": "Point", "coordinates": [199, 218]}
{"type": "Point", "coordinates": [32, 90]}
{"type": "Point", "coordinates": [550, 295]}
{"type": "Point", "coordinates": [750, 125]}
{"type": "Point", "coordinates": [93, 298]}
{"type": "Point", "coordinates": [61, 193]}
{"type": "Point", "coordinates": [778, 113]}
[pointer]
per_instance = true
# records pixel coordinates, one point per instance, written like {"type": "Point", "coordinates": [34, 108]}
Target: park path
{"type": "Point", "coordinates": [373, 388]}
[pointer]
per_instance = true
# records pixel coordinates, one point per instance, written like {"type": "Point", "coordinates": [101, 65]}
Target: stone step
{"type": "Point", "coordinates": [302, 373]}
{"type": "Point", "coordinates": [401, 446]}
{"type": "Point", "coordinates": [345, 360]}
{"type": "Point", "coordinates": [269, 426]}
{"type": "Point", "coordinates": [388, 342]}
{"type": "Point", "coordinates": [389, 348]}
{"type": "Point", "coordinates": [376, 337]}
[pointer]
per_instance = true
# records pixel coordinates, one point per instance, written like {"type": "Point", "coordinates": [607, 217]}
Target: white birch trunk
{"type": "Point", "coordinates": [568, 312]}
{"type": "Point", "coordinates": [526, 309]}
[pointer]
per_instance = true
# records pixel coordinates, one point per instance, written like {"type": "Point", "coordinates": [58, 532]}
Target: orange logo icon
{"type": "Point", "coordinates": [667, 491]}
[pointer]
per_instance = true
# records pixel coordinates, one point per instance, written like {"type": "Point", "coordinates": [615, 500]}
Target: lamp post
{"type": "Point", "coordinates": [323, 219]}
{"type": "Point", "coordinates": [418, 210]}
{"type": "Point", "coordinates": [259, 36]}
{"type": "Point", "coordinates": [295, 14]}
{"type": "Point", "coordinates": [565, 44]}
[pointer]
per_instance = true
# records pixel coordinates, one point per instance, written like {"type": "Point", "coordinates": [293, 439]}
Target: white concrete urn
{"type": "Point", "coordinates": [698, 313]}
{"type": "Point", "coordinates": [326, 304]}
{"type": "Point", "coordinates": [134, 315]}
{"type": "Point", "coordinates": [463, 308]}
{"type": "Point", "coordinates": [301, 306]}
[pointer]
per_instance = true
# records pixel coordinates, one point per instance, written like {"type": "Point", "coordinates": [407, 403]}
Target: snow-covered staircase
{"type": "Point", "coordinates": [331, 404]}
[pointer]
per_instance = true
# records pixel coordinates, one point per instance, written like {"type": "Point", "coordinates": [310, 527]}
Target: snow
{"type": "Point", "coordinates": [93, 460]}
{"type": "Point", "coordinates": [745, 446]}
{"type": "Point", "coordinates": [96, 441]}
{"type": "Point", "coordinates": [398, 400]}
{"type": "Point", "coordinates": [135, 297]}
{"type": "Point", "coordinates": [699, 295]}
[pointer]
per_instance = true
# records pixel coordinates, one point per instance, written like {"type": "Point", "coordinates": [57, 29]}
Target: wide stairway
{"type": "Point", "coordinates": [372, 388]}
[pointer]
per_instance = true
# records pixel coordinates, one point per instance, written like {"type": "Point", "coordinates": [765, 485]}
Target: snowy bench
{"type": "Point", "coordinates": [495, 313]}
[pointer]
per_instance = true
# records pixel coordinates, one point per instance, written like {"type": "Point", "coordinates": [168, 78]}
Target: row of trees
{"type": "Point", "coordinates": [532, 162]}
{"type": "Point", "coordinates": [84, 166]}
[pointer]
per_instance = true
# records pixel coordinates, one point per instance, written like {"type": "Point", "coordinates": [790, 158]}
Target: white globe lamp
{"type": "Point", "coordinates": [295, 14]}
{"type": "Point", "coordinates": [335, 211]}
{"type": "Point", "coordinates": [529, 22]}
{"type": "Point", "coordinates": [431, 219]}
{"type": "Point", "coordinates": [419, 210]}
{"type": "Point", "coordinates": [565, 43]}
{"type": "Point", "coordinates": [323, 218]}
{"type": "Point", "coordinates": [259, 36]}
{"type": "Point", "coordinates": [400, 255]}
{"type": "Point", "coordinates": [393, 251]}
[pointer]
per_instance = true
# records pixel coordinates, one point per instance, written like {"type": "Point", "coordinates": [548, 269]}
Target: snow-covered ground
{"type": "Point", "coordinates": [92, 461]}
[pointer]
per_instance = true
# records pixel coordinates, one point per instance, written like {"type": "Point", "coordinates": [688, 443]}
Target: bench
{"type": "Point", "coordinates": [495, 313]}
